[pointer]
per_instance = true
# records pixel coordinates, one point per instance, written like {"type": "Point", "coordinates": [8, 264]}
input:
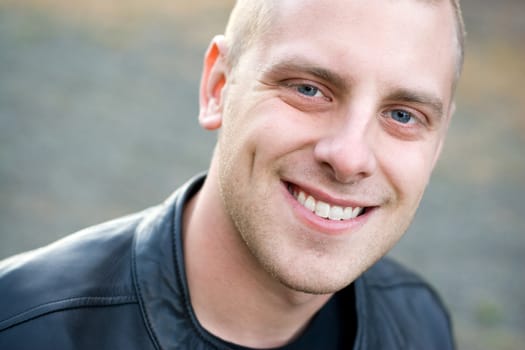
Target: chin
{"type": "Point", "coordinates": [313, 285]}
{"type": "Point", "coordinates": [316, 280]}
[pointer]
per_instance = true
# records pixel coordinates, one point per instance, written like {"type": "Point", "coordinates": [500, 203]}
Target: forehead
{"type": "Point", "coordinates": [341, 23]}
{"type": "Point", "coordinates": [401, 35]}
{"type": "Point", "coordinates": [345, 9]}
{"type": "Point", "coordinates": [381, 41]}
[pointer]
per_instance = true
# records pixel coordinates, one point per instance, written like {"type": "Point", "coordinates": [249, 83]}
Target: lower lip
{"type": "Point", "coordinates": [322, 225]}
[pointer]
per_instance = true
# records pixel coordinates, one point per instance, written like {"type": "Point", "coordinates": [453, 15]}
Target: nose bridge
{"type": "Point", "coordinates": [347, 149]}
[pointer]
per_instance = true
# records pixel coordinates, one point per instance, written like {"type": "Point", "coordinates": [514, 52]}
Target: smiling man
{"type": "Point", "coordinates": [331, 117]}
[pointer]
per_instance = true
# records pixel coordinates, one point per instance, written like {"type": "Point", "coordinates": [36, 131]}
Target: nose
{"type": "Point", "coordinates": [347, 150]}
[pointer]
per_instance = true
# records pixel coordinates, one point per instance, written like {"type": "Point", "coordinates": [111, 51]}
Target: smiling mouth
{"type": "Point", "coordinates": [325, 210]}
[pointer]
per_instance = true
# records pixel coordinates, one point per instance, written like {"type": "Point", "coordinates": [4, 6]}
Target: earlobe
{"type": "Point", "coordinates": [210, 116]}
{"type": "Point", "coordinates": [212, 83]}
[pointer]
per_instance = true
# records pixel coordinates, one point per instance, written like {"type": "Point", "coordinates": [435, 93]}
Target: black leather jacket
{"type": "Point", "coordinates": [122, 285]}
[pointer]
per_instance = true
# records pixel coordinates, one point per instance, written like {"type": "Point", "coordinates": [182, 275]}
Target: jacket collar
{"type": "Point", "coordinates": [158, 271]}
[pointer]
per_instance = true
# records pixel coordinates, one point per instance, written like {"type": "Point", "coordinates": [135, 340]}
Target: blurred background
{"type": "Point", "coordinates": [98, 106]}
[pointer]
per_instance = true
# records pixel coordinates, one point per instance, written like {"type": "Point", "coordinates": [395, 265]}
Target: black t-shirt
{"type": "Point", "coordinates": [332, 328]}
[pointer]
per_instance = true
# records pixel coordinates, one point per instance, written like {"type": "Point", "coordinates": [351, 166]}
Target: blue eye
{"type": "Point", "coordinates": [307, 90]}
{"type": "Point", "coordinates": [401, 116]}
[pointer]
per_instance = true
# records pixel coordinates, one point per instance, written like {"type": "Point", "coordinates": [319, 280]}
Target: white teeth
{"type": "Point", "coordinates": [348, 213]}
{"type": "Point", "coordinates": [309, 203]}
{"type": "Point", "coordinates": [336, 213]}
{"type": "Point", "coordinates": [322, 209]}
{"type": "Point", "coordinates": [301, 198]}
{"type": "Point", "coordinates": [325, 210]}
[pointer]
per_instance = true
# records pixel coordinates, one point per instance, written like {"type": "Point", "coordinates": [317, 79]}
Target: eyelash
{"type": "Point", "coordinates": [296, 85]}
{"type": "Point", "coordinates": [409, 131]}
{"type": "Point", "coordinates": [413, 118]}
{"type": "Point", "coordinates": [417, 120]}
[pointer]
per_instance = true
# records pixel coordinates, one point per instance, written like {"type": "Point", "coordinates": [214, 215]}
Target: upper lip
{"type": "Point", "coordinates": [321, 195]}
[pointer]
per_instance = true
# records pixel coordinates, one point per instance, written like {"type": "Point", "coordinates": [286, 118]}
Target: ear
{"type": "Point", "coordinates": [448, 117]}
{"type": "Point", "coordinates": [213, 79]}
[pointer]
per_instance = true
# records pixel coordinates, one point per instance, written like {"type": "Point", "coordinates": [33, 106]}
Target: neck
{"type": "Point", "coordinates": [232, 296]}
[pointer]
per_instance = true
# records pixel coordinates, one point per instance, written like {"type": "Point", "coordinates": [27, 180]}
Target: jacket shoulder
{"type": "Point", "coordinates": [400, 300]}
{"type": "Point", "coordinates": [90, 267]}
{"type": "Point", "coordinates": [388, 273]}
{"type": "Point", "coordinates": [389, 278]}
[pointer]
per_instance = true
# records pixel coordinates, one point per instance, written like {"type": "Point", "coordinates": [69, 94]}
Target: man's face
{"type": "Point", "coordinates": [331, 126]}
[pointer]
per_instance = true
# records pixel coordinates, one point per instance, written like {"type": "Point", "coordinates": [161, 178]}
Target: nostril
{"type": "Point", "coordinates": [347, 155]}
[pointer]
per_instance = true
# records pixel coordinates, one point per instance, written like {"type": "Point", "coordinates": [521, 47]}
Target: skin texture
{"type": "Point", "coordinates": [349, 102]}
{"type": "Point", "coordinates": [251, 18]}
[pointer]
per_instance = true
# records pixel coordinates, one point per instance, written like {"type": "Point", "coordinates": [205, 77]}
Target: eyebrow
{"type": "Point", "coordinates": [299, 64]}
{"type": "Point", "coordinates": [293, 65]}
{"type": "Point", "coordinates": [405, 95]}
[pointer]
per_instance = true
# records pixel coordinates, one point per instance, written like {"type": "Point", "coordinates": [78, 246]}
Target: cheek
{"type": "Point", "coordinates": [407, 166]}
{"type": "Point", "coordinates": [271, 129]}
{"type": "Point", "coordinates": [251, 137]}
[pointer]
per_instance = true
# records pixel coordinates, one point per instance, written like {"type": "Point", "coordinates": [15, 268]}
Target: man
{"type": "Point", "coordinates": [332, 116]}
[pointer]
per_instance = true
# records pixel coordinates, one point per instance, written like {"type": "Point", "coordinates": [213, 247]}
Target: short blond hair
{"type": "Point", "coordinates": [248, 20]}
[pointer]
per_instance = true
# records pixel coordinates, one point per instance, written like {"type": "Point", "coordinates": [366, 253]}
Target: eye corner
{"type": "Point", "coordinates": [406, 115]}
{"type": "Point", "coordinates": [308, 89]}
{"type": "Point", "coordinates": [413, 129]}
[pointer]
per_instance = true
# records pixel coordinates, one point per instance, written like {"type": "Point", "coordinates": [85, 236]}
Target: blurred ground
{"type": "Point", "coordinates": [98, 113]}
